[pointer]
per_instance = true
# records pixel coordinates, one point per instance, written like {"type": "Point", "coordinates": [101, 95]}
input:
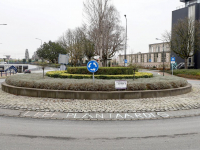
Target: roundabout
{"type": "Point", "coordinates": [184, 105]}
{"type": "Point", "coordinates": [101, 89]}
{"type": "Point", "coordinates": [186, 102]}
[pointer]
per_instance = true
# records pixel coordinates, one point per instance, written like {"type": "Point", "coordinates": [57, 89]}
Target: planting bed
{"type": "Point", "coordinates": [36, 86]}
{"type": "Point", "coordinates": [37, 81]}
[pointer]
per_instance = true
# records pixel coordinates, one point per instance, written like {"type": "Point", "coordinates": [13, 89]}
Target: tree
{"type": "Point", "coordinates": [89, 49]}
{"type": "Point", "coordinates": [103, 28]}
{"type": "Point", "coordinates": [184, 40]}
{"type": "Point", "coordinates": [43, 65]}
{"type": "Point", "coordinates": [50, 51]}
{"type": "Point", "coordinates": [77, 45]}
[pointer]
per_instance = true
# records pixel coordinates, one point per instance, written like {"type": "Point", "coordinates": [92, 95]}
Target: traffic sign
{"type": "Point", "coordinates": [149, 60]}
{"type": "Point", "coordinates": [125, 61]}
{"type": "Point", "coordinates": [172, 60]}
{"type": "Point", "coordinates": [174, 66]}
{"type": "Point", "coordinates": [92, 66]}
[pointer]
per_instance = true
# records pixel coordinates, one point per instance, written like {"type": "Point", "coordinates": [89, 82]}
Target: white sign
{"type": "Point", "coordinates": [63, 59]}
{"type": "Point", "coordinates": [119, 85]}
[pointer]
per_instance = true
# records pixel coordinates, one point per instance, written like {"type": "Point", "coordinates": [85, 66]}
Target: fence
{"type": "Point", "coordinates": [5, 74]}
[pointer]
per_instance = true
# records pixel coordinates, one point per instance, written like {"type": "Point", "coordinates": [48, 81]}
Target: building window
{"type": "Point", "coordinates": [148, 57]}
{"type": "Point", "coordinates": [142, 58]}
{"type": "Point", "coordinates": [190, 62]}
{"type": "Point", "coordinates": [155, 57]}
{"type": "Point", "coordinates": [136, 59]}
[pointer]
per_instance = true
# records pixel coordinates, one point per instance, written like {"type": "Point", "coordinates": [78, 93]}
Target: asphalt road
{"type": "Point", "coordinates": [31, 134]}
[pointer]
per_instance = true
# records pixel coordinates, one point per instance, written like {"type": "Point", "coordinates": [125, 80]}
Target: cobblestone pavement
{"type": "Point", "coordinates": [181, 102]}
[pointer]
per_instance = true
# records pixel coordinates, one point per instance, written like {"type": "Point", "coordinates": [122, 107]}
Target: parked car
{"type": "Point", "coordinates": [27, 71]}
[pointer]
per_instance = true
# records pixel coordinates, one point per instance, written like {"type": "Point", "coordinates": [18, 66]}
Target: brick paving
{"type": "Point", "coordinates": [181, 102]}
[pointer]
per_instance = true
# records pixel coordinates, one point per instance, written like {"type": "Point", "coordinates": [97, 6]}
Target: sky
{"type": "Point", "coordinates": [48, 19]}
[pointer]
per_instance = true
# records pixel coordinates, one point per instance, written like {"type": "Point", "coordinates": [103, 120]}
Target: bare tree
{"type": "Point", "coordinates": [103, 28]}
{"type": "Point", "coordinates": [77, 45]}
{"type": "Point", "coordinates": [184, 40]}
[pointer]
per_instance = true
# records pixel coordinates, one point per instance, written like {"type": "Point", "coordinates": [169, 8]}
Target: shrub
{"type": "Point", "coordinates": [101, 70]}
{"type": "Point", "coordinates": [36, 81]}
{"type": "Point", "coordinates": [64, 74]}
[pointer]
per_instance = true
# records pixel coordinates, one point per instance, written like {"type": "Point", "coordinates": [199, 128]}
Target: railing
{"type": "Point", "coordinates": [180, 65]}
{"type": "Point", "coordinates": [5, 74]}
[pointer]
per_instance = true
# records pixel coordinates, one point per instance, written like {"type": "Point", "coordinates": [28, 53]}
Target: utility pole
{"type": "Point", "coordinates": [125, 43]}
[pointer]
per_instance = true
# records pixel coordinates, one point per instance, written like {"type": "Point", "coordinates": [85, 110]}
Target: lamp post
{"type": "Point", "coordinates": [40, 40]}
{"type": "Point", "coordinates": [163, 54]}
{"type": "Point", "coordinates": [125, 43]}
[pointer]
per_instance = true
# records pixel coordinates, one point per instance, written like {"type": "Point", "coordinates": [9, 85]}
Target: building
{"type": "Point", "coordinates": [35, 57]}
{"type": "Point", "coordinates": [191, 9]}
{"type": "Point", "coordinates": [27, 55]}
{"type": "Point", "coordinates": [151, 59]}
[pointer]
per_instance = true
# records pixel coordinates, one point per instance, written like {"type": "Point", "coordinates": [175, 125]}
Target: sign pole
{"type": "Point", "coordinates": [172, 69]}
{"type": "Point", "coordinates": [92, 66]}
{"type": "Point", "coordinates": [93, 77]}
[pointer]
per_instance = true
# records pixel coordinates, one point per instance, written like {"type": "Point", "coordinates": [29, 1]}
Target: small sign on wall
{"type": "Point", "coordinates": [121, 85]}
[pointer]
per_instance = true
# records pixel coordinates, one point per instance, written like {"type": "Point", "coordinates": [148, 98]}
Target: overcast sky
{"type": "Point", "coordinates": [49, 19]}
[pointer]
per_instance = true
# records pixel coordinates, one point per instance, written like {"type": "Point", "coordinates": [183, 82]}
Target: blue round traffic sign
{"type": "Point", "coordinates": [92, 66]}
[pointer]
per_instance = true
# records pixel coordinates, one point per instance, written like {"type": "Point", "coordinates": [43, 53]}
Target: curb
{"type": "Point", "coordinates": [94, 95]}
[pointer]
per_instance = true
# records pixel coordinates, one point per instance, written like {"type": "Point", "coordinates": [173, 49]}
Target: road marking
{"type": "Point", "coordinates": [123, 116]}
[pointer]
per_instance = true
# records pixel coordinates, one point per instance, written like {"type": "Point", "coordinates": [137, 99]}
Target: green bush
{"type": "Point", "coordinates": [101, 70]}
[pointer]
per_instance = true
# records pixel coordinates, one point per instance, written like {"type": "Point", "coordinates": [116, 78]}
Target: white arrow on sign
{"type": "Point", "coordinates": [89, 65]}
{"type": "Point", "coordinates": [95, 64]}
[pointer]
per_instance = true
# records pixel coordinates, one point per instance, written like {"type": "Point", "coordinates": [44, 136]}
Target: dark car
{"type": "Point", "coordinates": [27, 71]}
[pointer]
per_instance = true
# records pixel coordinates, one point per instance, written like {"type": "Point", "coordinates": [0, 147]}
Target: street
{"type": "Point", "coordinates": [20, 133]}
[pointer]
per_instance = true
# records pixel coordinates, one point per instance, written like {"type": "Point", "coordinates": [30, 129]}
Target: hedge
{"type": "Point", "coordinates": [62, 74]}
{"type": "Point", "coordinates": [194, 72]}
{"type": "Point", "coordinates": [101, 70]}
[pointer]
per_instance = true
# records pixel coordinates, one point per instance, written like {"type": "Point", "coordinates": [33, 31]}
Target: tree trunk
{"type": "Point", "coordinates": [104, 63]}
{"type": "Point", "coordinates": [43, 71]}
{"type": "Point", "coordinates": [186, 66]}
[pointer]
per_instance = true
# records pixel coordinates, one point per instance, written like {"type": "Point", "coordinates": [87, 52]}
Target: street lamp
{"type": "Point", "coordinates": [163, 53]}
{"type": "Point", "coordinates": [40, 40]}
{"type": "Point", "coordinates": [125, 42]}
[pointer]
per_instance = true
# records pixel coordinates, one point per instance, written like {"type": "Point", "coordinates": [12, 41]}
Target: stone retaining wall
{"type": "Point", "coordinates": [94, 95]}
